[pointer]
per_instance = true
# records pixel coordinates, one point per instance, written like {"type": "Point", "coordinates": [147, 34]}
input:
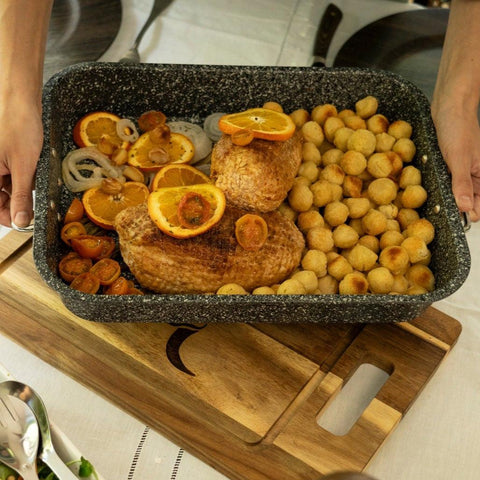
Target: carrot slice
{"type": "Point", "coordinates": [251, 231]}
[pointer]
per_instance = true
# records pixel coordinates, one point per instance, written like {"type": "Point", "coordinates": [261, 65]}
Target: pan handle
{"type": "Point", "coordinates": [327, 28]}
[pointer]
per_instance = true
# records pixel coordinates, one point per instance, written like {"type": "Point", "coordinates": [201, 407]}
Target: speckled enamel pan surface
{"type": "Point", "coordinates": [192, 92]}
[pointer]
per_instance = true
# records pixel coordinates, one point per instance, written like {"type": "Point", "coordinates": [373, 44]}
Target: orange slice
{"type": "Point", "coordinates": [97, 127]}
{"type": "Point", "coordinates": [177, 175]}
{"type": "Point", "coordinates": [102, 204]}
{"type": "Point", "coordinates": [186, 211]}
{"type": "Point", "coordinates": [262, 122]}
{"type": "Point", "coordinates": [150, 156]}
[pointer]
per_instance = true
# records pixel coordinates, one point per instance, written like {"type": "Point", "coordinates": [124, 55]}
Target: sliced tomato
{"type": "Point", "coordinates": [151, 119]}
{"type": "Point", "coordinates": [193, 210]}
{"type": "Point", "coordinates": [86, 283]}
{"type": "Point", "coordinates": [71, 230]}
{"type": "Point", "coordinates": [251, 231]}
{"type": "Point", "coordinates": [72, 265]}
{"type": "Point", "coordinates": [108, 247]}
{"type": "Point", "coordinates": [93, 246]}
{"type": "Point", "coordinates": [120, 286]}
{"type": "Point", "coordinates": [106, 270]}
{"type": "Point", "coordinates": [75, 211]}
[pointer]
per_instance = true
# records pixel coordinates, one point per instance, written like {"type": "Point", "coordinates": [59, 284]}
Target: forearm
{"type": "Point", "coordinates": [23, 35]}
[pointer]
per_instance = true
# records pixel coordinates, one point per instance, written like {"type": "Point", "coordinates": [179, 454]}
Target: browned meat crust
{"type": "Point", "coordinates": [204, 263]}
{"type": "Point", "coordinates": [257, 176]}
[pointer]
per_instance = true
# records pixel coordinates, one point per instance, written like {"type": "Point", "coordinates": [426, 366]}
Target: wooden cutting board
{"type": "Point", "coordinates": [244, 398]}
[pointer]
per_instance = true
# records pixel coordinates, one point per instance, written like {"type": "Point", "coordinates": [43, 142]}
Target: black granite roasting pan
{"type": "Point", "coordinates": [191, 92]}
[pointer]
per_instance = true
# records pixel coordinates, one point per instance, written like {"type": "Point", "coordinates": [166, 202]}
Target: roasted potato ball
{"type": "Point", "coordinates": [356, 224]}
{"type": "Point", "coordinates": [392, 224]}
{"type": "Point", "coordinates": [300, 198]}
{"type": "Point", "coordinates": [400, 129]}
{"type": "Point", "coordinates": [355, 122]}
{"type": "Point", "coordinates": [291, 286]}
{"type": "Point", "coordinates": [322, 192]}
{"type": "Point", "coordinates": [382, 191]}
{"type": "Point", "coordinates": [379, 165]}
{"type": "Point", "coordinates": [339, 267]}
{"type": "Point", "coordinates": [231, 289]}
{"type": "Point", "coordinates": [263, 291]}
{"type": "Point", "coordinates": [309, 219]}
{"type": "Point", "coordinates": [414, 196]}
{"type": "Point", "coordinates": [362, 258]}
{"type": "Point", "coordinates": [405, 148]}
{"type": "Point", "coordinates": [310, 153]}
{"type": "Point", "coordinates": [312, 132]}
{"type": "Point", "coordinates": [367, 106]}
{"type": "Point", "coordinates": [335, 213]}
{"type": "Point", "coordinates": [327, 285]}
{"type": "Point", "coordinates": [300, 117]}
{"type": "Point", "coordinates": [371, 242]}
{"type": "Point", "coordinates": [320, 238]}
{"type": "Point", "coordinates": [389, 210]}
{"type": "Point", "coordinates": [422, 276]}
{"type": "Point", "coordinates": [363, 141]}
{"type": "Point", "coordinates": [410, 176]}
{"type": "Point", "coordinates": [346, 112]}
{"type": "Point", "coordinates": [417, 249]}
{"type": "Point", "coordinates": [421, 228]}
{"type": "Point", "coordinates": [391, 238]}
{"type": "Point", "coordinates": [321, 112]}
{"type": "Point", "coordinates": [341, 137]}
{"type": "Point", "coordinates": [275, 106]}
{"type": "Point", "coordinates": [307, 278]}
{"type": "Point", "coordinates": [353, 162]}
{"type": "Point", "coordinates": [287, 211]}
{"type": "Point", "coordinates": [397, 163]}
{"type": "Point", "coordinates": [333, 173]}
{"type": "Point", "coordinates": [344, 236]}
{"type": "Point", "coordinates": [357, 207]}
{"type": "Point", "coordinates": [406, 216]}
{"type": "Point", "coordinates": [353, 284]}
{"type": "Point", "coordinates": [380, 280]}
{"type": "Point", "coordinates": [400, 284]}
{"type": "Point", "coordinates": [308, 170]}
{"type": "Point", "coordinates": [332, 156]}
{"type": "Point", "coordinates": [384, 142]}
{"type": "Point", "coordinates": [374, 222]}
{"type": "Point", "coordinates": [330, 127]}
{"type": "Point", "coordinates": [378, 123]}
{"type": "Point", "coordinates": [352, 186]}
{"type": "Point", "coordinates": [316, 261]}
{"type": "Point", "coordinates": [395, 258]}
{"type": "Point", "coordinates": [416, 290]}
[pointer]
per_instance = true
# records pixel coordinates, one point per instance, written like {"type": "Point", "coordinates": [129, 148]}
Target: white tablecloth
{"type": "Point", "coordinates": [440, 436]}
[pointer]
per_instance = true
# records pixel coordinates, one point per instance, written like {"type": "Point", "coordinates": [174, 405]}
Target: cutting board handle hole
{"type": "Point", "coordinates": [341, 414]}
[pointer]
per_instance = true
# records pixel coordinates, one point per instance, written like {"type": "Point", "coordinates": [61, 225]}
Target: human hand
{"type": "Point", "coordinates": [20, 147]}
{"type": "Point", "coordinates": [458, 133]}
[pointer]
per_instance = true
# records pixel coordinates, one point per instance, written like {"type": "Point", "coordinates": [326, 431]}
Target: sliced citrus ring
{"type": "Point", "coordinates": [102, 204]}
{"type": "Point", "coordinates": [98, 127]}
{"type": "Point", "coordinates": [150, 156]}
{"type": "Point", "coordinates": [262, 122]}
{"type": "Point", "coordinates": [186, 211]}
{"type": "Point", "coordinates": [177, 175]}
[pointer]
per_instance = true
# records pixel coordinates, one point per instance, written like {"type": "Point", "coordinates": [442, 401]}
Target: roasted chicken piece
{"type": "Point", "coordinates": [204, 263]}
{"type": "Point", "coordinates": [259, 175]}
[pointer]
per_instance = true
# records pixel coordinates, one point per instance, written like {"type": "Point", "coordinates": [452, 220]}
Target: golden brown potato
{"type": "Point", "coordinates": [389, 210]}
{"type": "Point", "coordinates": [378, 123]}
{"type": "Point", "coordinates": [395, 258]}
{"type": "Point", "coordinates": [339, 267]}
{"type": "Point", "coordinates": [384, 142]}
{"type": "Point", "coordinates": [231, 289]}
{"type": "Point", "coordinates": [400, 129]}
{"type": "Point", "coordinates": [417, 249]}
{"type": "Point", "coordinates": [316, 261]}
{"type": "Point", "coordinates": [382, 191]}
{"type": "Point", "coordinates": [391, 238]}
{"type": "Point", "coordinates": [397, 163]}
{"type": "Point", "coordinates": [380, 280]}
{"type": "Point", "coordinates": [422, 276]}
{"type": "Point", "coordinates": [405, 148]}
{"type": "Point", "coordinates": [335, 213]}
{"type": "Point", "coordinates": [275, 106]}
{"type": "Point", "coordinates": [332, 156]}
{"type": "Point", "coordinates": [309, 170]}
{"type": "Point", "coordinates": [320, 238]}
{"type": "Point", "coordinates": [344, 236]}
{"type": "Point", "coordinates": [362, 258]}
{"type": "Point", "coordinates": [371, 242]}
{"type": "Point", "coordinates": [379, 165]}
{"type": "Point", "coordinates": [309, 219]}
{"type": "Point", "coordinates": [312, 132]}
{"type": "Point", "coordinates": [414, 196]}
{"type": "Point", "coordinates": [357, 207]}
{"type": "Point", "coordinates": [307, 278]}
{"type": "Point", "coordinates": [392, 224]}
{"type": "Point", "coordinates": [374, 222]}
{"type": "Point", "coordinates": [421, 228]}
{"type": "Point", "coordinates": [406, 216]}
{"type": "Point", "coordinates": [356, 224]}
{"type": "Point", "coordinates": [332, 173]}
{"type": "Point", "coordinates": [327, 285]}
{"type": "Point", "coordinates": [353, 284]}
{"type": "Point", "coordinates": [330, 127]}
{"type": "Point", "coordinates": [355, 122]}
{"type": "Point", "coordinates": [300, 198]}
{"type": "Point", "coordinates": [400, 284]}
{"type": "Point", "coordinates": [363, 141]}
{"type": "Point", "coordinates": [310, 153]}
{"type": "Point", "coordinates": [263, 291]}
{"type": "Point", "coordinates": [352, 186]}
{"type": "Point", "coordinates": [300, 117]}
{"type": "Point", "coordinates": [291, 287]}
{"type": "Point", "coordinates": [321, 112]}
{"type": "Point", "coordinates": [322, 192]}
{"type": "Point", "coordinates": [353, 162]}
{"type": "Point", "coordinates": [367, 106]}
{"type": "Point", "coordinates": [410, 176]}
{"type": "Point", "coordinates": [341, 137]}
{"type": "Point", "coordinates": [346, 112]}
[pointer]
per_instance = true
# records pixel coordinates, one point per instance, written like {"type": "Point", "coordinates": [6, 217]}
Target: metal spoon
{"type": "Point", "coordinates": [47, 452]}
{"type": "Point", "coordinates": [132, 56]}
{"type": "Point", "coordinates": [19, 438]}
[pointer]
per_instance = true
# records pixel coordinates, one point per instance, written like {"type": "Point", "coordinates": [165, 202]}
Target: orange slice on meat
{"type": "Point", "coordinates": [186, 211]}
{"type": "Point", "coordinates": [151, 156]}
{"type": "Point", "coordinates": [98, 127]}
{"type": "Point", "coordinates": [177, 175]}
{"type": "Point", "coordinates": [262, 122]}
{"type": "Point", "coordinates": [102, 204]}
